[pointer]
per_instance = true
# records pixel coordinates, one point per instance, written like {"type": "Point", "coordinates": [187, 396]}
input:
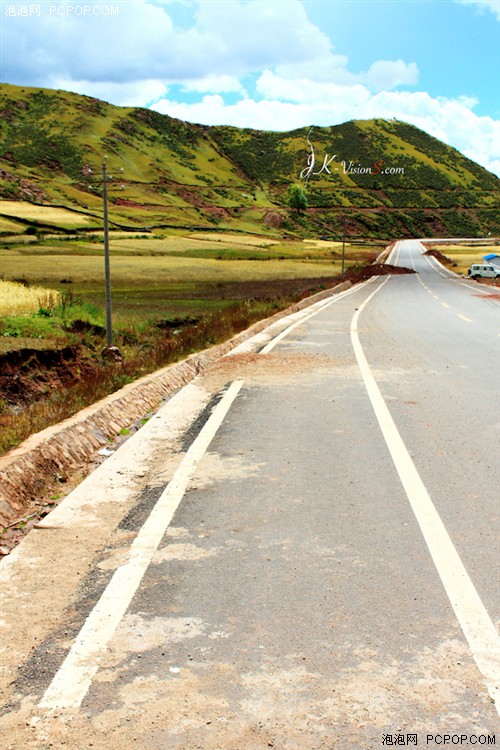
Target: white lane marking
{"type": "Point", "coordinates": [266, 349]}
{"type": "Point", "coordinates": [265, 338]}
{"type": "Point", "coordinates": [72, 681]}
{"type": "Point", "coordinates": [412, 259]}
{"type": "Point", "coordinates": [395, 251]}
{"type": "Point", "coordinates": [481, 635]}
{"type": "Point", "coordinates": [434, 262]}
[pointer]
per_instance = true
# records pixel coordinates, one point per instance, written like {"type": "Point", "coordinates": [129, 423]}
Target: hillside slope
{"type": "Point", "coordinates": [177, 174]}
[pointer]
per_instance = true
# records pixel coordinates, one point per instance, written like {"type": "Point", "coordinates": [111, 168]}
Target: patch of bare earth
{"type": "Point", "coordinates": [286, 704]}
{"type": "Point", "coordinates": [268, 369]}
{"type": "Point", "coordinates": [449, 262]}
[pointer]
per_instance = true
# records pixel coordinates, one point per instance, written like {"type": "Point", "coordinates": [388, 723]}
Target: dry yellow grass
{"type": "Point", "coordinates": [45, 214]}
{"type": "Point", "coordinates": [234, 239]}
{"type": "Point", "coordinates": [16, 299]}
{"type": "Point", "coordinates": [136, 271]}
{"type": "Point", "coordinates": [10, 226]}
{"type": "Point", "coordinates": [323, 244]}
{"type": "Point", "coordinates": [465, 254]}
{"type": "Point", "coordinates": [470, 250]}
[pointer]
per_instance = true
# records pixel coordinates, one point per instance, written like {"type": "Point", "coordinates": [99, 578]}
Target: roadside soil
{"type": "Point", "coordinates": [29, 374]}
{"type": "Point", "coordinates": [449, 262]}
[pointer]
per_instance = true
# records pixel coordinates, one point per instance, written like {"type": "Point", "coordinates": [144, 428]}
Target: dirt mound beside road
{"type": "Point", "coordinates": [441, 257]}
{"type": "Point", "coordinates": [355, 275]}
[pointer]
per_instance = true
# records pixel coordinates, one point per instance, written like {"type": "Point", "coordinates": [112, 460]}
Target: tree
{"type": "Point", "coordinates": [297, 198]}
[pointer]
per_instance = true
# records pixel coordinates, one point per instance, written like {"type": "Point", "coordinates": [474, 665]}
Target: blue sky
{"type": "Point", "coordinates": [272, 64]}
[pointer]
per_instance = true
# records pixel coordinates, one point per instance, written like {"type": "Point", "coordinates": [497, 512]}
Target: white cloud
{"type": "Point", "coordinates": [141, 42]}
{"type": "Point", "coordinates": [332, 68]}
{"type": "Point", "coordinates": [327, 68]}
{"type": "Point", "coordinates": [382, 75]}
{"type": "Point", "coordinates": [261, 115]}
{"type": "Point", "coordinates": [303, 90]}
{"type": "Point", "coordinates": [215, 84]}
{"type": "Point", "coordinates": [37, 50]}
{"type": "Point", "coordinates": [260, 33]}
{"type": "Point", "coordinates": [226, 41]}
{"type": "Point", "coordinates": [484, 5]}
{"type": "Point", "coordinates": [387, 74]}
{"type": "Point", "coordinates": [138, 94]}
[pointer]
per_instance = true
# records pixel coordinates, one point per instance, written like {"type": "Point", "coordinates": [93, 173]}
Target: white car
{"type": "Point", "coordinates": [484, 271]}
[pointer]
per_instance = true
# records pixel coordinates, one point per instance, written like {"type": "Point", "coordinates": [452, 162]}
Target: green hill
{"type": "Point", "coordinates": [180, 175]}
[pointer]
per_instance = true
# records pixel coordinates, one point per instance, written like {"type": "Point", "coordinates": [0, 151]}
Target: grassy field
{"type": "Point", "coordinates": [144, 261]}
{"type": "Point", "coordinates": [7, 226]}
{"type": "Point", "coordinates": [154, 278]}
{"type": "Point", "coordinates": [465, 254]}
{"type": "Point", "coordinates": [171, 295]}
{"type": "Point", "coordinates": [247, 240]}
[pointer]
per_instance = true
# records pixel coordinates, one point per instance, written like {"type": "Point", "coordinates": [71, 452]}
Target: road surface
{"type": "Point", "coordinates": [299, 551]}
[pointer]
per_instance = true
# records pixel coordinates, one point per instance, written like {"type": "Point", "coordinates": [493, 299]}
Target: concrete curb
{"type": "Point", "coordinates": [27, 471]}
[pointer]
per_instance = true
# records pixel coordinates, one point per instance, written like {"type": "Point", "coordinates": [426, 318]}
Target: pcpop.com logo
{"type": "Point", "coordinates": [83, 10]}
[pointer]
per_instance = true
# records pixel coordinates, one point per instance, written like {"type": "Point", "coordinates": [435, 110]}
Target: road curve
{"type": "Point", "coordinates": [299, 551]}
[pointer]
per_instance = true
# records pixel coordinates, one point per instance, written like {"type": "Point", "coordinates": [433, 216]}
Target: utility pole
{"type": "Point", "coordinates": [107, 274]}
{"type": "Point", "coordinates": [343, 244]}
{"type": "Point", "coordinates": [110, 352]}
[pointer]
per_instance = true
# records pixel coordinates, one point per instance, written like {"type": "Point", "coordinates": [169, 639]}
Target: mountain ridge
{"type": "Point", "coordinates": [184, 175]}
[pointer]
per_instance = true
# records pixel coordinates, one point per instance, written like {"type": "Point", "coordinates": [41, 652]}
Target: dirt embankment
{"type": "Point", "coordinates": [449, 262]}
{"type": "Point", "coordinates": [355, 275]}
{"type": "Point", "coordinates": [29, 374]}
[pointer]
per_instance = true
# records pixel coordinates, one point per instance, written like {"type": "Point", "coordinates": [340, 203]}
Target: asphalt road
{"type": "Point", "coordinates": [299, 552]}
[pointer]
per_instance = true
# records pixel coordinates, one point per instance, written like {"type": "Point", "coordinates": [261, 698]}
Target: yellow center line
{"type": "Point", "coordinates": [464, 317]}
{"type": "Point", "coordinates": [445, 305]}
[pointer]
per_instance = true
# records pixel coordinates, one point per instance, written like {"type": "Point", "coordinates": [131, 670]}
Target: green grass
{"type": "Point", "coordinates": [174, 275]}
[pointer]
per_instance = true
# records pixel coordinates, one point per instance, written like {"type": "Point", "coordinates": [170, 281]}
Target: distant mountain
{"type": "Point", "coordinates": [382, 178]}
